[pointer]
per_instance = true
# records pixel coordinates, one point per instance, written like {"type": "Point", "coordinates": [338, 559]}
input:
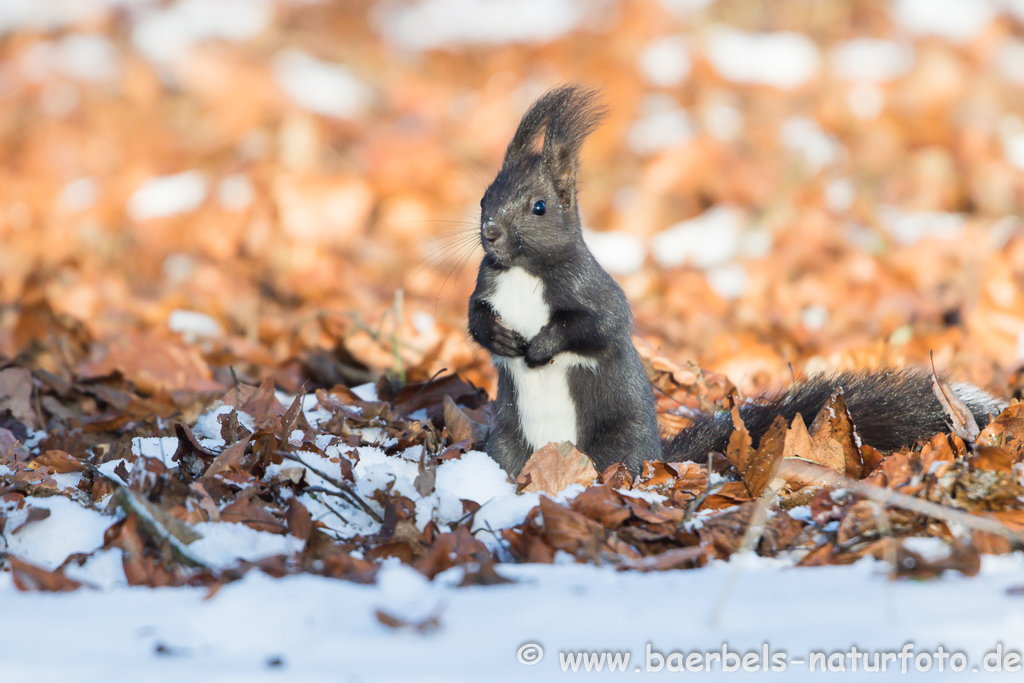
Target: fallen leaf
{"type": "Point", "coordinates": [29, 577]}
{"type": "Point", "coordinates": [554, 467]}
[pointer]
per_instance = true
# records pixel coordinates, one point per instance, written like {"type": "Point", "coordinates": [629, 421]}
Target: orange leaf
{"type": "Point", "coordinates": [554, 467]}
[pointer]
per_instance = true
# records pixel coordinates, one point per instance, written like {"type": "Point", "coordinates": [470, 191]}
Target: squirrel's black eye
{"type": "Point", "coordinates": [539, 207]}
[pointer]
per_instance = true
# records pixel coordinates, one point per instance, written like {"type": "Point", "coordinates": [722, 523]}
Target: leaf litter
{"type": "Point", "coordinates": [268, 424]}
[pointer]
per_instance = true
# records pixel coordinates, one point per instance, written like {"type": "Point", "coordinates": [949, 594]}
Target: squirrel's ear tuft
{"type": "Point", "coordinates": [566, 115]}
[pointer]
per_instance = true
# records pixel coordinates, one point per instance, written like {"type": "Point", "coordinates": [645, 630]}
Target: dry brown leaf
{"type": "Point", "coordinates": [798, 473]}
{"type": "Point", "coordinates": [833, 444]}
{"type": "Point", "coordinates": [16, 395]}
{"type": "Point", "coordinates": [603, 505]}
{"type": "Point", "coordinates": [740, 448]}
{"type": "Point", "coordinates": [568, 530]}
{"type": "Point", "coordinates": [1006, 431]}
{"type": "Point", "coordinates": [59, 461]}
{"type": "Point", "coordinates": [960, 417]}
{"type": "Point", "coordinates": [763, 465]}
{"type": "Point", "coordinates": [993, 458]}
{"type": "Point", "coordinates": [554, 467]}
{"type": "Point", "coordinates": [29, 577]}
{"type": "Point", "coordinates": [461, 426]}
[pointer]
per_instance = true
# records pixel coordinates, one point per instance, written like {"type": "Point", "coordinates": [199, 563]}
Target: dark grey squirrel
{"type": "Point", "coordinates": [559, 328]}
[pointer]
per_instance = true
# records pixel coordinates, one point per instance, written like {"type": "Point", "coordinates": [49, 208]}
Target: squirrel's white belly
{"type": "Point", "coordinates": [546, 409]}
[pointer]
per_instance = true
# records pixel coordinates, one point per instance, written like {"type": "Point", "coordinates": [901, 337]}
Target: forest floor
{"type": "Point", "coordinates": [241, 417]}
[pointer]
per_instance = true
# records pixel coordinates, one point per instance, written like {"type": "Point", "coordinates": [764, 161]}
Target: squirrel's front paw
{"type": "Point", "coordinates": [508, 343]}
{"type": "Point", "coordinates": [537, 355]}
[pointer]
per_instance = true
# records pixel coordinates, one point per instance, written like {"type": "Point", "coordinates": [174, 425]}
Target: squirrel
{"type": "Point", "coordinates": [559, 328]}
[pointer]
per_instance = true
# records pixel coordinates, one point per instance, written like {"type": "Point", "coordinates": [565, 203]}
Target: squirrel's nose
{"type": "Point", "coordinates": [491, 232]}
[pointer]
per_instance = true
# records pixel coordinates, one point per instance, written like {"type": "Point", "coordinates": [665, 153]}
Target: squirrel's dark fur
{"type": "Point", "coordinates": [559, 328]}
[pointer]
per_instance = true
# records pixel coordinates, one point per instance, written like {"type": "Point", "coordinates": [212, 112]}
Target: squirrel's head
{"type": "Point", "coordinates": [529, 212]}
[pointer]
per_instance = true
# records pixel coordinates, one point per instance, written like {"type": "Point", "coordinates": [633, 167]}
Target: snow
{"type": "Point", "coordinates": [728, 281]}
{"type": "Point", "coordinates": [1010, 60]}
{"type": "Point", "coordinates": [320, 87]}
{"type": "Point", "coordinates": [70, 528]}
{"type": "Point", "coordinates": [235, 192]}
{"type": "Point", "coordinates": [168, 195]}
{"type": "Point", "coordinates": [871, 59]}
{"type": "Point", "coordinates": [77, 56]}
{"type": "Point", "coordinates": [803, 136]}
{"type": "Point", "coordinates": [814, 317]}
{"type": "Point", "coordinates": [418, 25]}
{"type": "Point", "coordinates": [663, 124]}
{"type": "Point", "coordinates": [80, 194]}
{"type": "Point", "coordinates": [160, 448]}
{"type": "Point", "coordinates": [1013, 149]}
{"type": "Point", "coordinates": [193, 325]}
{"type": "Point", "coordinates": [711, 239]}
{"type": "Point", "coordinates": [840, 195]}
{"type": "Point", "coordinates": [665, 62]}
{"type": "Point", "coordinates": [223, 544]}
{"type": "Point", "coordinates": [910, 227]}
{"type": "Point", "coordinates": [954, 20]}
{"type": "Point", "coordinates": [310, 628]}
{"type": "Point", "coordinates": [684, 6]}
{"type": "Point", "coordinates": [723, 121]}
{"type": "Point", "coordinates": [315, 629]}
{"type": "Point", "coordinates": [619, 252]}
{"type": "Point", "coordinates": [865, 100]}
{"type": "Point", "coordinates": [783, 59]}
{"type": "Point", "coordinates": [165, 34]}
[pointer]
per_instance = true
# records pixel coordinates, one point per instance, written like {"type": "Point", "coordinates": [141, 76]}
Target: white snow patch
{"type": "Point", "coordinates": [723, 121]}
{"type": "Point", "coordinates": [663, 124]}
{"type": "Point", "coordinates": [1013, 149]}
{"type": "Point", "coordinates": [320, 87]}
{"type": "Point", "coordinates": [871, 59]}
{"type": "Point", "coordinates": [840, 195]}
{"type": "Point", "coordinates": [193, 325]}
{"type": "Point", "coordinates": [423, 322]}
{"type": "Point", "coordinates": [1010, 59]}
{"type": "Point", "coordinates": [160, 448]}
{"type": "Point", "coordinates": [683, 7]}
{"type": "Point", "coordinates": [165, 34]}
{"type": "Point", "coordinates": [404, 593]}
{"type": "Point", "coordinates": [108, 468]}
{"type": "Point", "coordinates": [910, 227]}
{"type": "Point", "coordinates": [814, 317]}
{"type": "Point", "coordinates": [619, 252]}
{"type": "Point", "coordinates": [865, 100]}
{"type": "Point", "coordinates": [53, 15]}
{"type": "Point", "coordinates": [224, 543]}
{"type": "Point", "coordinates": [77, 56]}
{"type": "Point", "coordinates": [711, 239]}
{"type": "Point", "coordinates": [954, 20]}
{"type": "Point", "coordinates": [665, 62]}
{"type": "Point", "coordinates": [168, 195]}
{"type": "Point", "coordinates": [70, 528]}
{"type": "Point", "coordinates": [818, 148]}
{"type": "Point", "coordinates": [235, 192]}
{"type": "Point", "coordinates": [431, 24]}
{"type": "Point", "coordinates": [649, 496]}
{"type": "Point", "coordinates": [728, 280]}
{"type": "Point", "coordinates": [367, 392]}
{"type": "Point", "coordinates": [783, 59]}
{"type": "Point", "coordinates": [80, 194]}
{"type": "Point", "coordinates": [475, 476]}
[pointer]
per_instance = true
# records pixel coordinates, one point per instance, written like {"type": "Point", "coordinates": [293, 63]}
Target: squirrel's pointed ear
{"type": "Point", "coordinates": [575, 113]}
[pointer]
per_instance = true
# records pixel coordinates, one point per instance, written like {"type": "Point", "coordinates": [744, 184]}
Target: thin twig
{"type": "Point", "coordinates": [934, 510]}
{"type": "Point", "coordinates": [345, 491]}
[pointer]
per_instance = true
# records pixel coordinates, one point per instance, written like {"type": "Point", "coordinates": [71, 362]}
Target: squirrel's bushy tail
{"type": "Point", "coordinates": [890, 409]}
